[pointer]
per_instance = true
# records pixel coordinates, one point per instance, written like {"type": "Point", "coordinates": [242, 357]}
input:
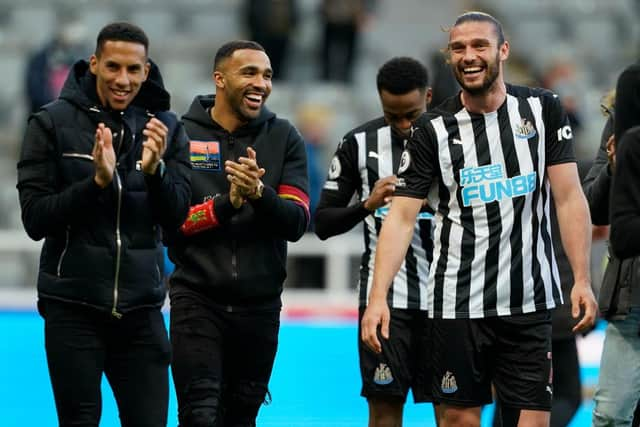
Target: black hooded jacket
{"type": "Point", "coordinates": [625, 192]}
{"type": "Point", "coordinates": [102, 246]}
{"type": "Point", "coordinates": [241, 262]}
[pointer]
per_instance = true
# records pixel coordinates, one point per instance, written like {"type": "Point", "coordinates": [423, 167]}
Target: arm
{"type": "Point", "coordinates": [333, 216]}
{"type": "Point", "coordinates": [625, 198]}
{"type": "Point", "coordinates": [393, 242]}
{"type": "Point", "coordinates": [575, 229]}
{"type": "Point", "coordinates": [285, 210]}
{"type": "Point", "coordinates": [597, 183]}
{"type": "Point", "coordinates": [47, 209]}
{"type": "Point", "coordinates": [169, 190]}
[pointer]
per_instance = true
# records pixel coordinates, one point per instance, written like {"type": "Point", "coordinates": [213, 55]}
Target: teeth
{"type": "Point", "coordinates": [472, 70]}
{"type": "Point", "coordinates": [120, 92]}
{"type": "Point", "coordinates": [254, 98]}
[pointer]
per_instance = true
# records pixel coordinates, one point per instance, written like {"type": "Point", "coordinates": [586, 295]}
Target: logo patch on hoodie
{"type": "Point", "coordinates": [205, 155]}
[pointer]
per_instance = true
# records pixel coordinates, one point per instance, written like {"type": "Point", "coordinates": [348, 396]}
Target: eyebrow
{"type": "Point", "coordinates": [251, 67]}
{"type": "Point", "coordinates": [481, 41]}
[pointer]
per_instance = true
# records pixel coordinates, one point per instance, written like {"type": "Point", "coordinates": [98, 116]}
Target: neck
{"type": "Point", "coordinates": [487, 102]}
{"type": "Point", "coordinates": [222, 115]}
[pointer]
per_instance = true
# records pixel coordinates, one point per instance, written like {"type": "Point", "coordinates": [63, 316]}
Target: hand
{"type": "Point", "coordinates": [154, 146]}
{"type": "Point", "coordinates": [235, 196]}
{"type": "Point", "coordinates": [381, 193]}
{"type": "Point", "coordinates": [582, 299]}
{"type": "Point", "coordinates": [245, 174]}
{"type": "Point", "coordinates": [377, 313]}
{"type": "Point", "coordinates": [611, 153]}
{"type": "Point", "coordinates": [104, 158]}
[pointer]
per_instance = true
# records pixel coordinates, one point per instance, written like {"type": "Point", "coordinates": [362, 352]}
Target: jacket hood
{"type": "Point", "coordinates": [80, 88]}
{"type": "Point", "coordinates": [198, 113]}
{"type": "Point", "coordinates": [627, 106]}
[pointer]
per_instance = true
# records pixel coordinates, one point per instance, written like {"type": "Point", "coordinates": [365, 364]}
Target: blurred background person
{"type": "Point", "coordinates": [48, 67]}
{"type": "Point", "coordinates": [272, 23]}
{"type": "Point", "coordinates": [342, 22]}
{"type": "Point", "coordinates": [313, 120]}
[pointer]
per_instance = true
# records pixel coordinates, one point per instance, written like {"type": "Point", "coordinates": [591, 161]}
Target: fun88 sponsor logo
{"type": "Point", "coordinates": [486, 184]}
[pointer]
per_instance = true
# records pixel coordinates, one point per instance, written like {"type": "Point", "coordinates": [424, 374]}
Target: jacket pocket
{"type": "Point", "coordinates": [85, 261]}
{"type": "Point", "coordinates": [615, 292]}
{"type": "Point", "coordinates": [76, 166]}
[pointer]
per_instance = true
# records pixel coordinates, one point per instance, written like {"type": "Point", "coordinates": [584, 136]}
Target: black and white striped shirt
{"type": "Point", "coordinates": [367, 153]}
{"type": "Point", "coordinates": [485, 175]}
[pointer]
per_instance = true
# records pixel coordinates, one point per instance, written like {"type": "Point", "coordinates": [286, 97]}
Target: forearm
{"type": "Point", "coordinates": [45, 213]}
{"type": "Point", "coordinates": [332, 221]}
{"type": "Point", "coordinates": [575, 229]}
{"type": "Point", "coordinates": [393, 241]}
{"type": "Point", "coordinates": [285, 213]}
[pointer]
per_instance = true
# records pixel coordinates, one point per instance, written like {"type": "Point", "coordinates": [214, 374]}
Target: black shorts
{"type": "Point", "coordinates": [512, 352]}
{"type": "Point", "coordinates": [405, 361]}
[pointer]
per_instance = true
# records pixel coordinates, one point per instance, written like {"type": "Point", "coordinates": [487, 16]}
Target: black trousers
{"type": "Point", "coordinates": [133, 352]}
{"type": "Point", "coordinates": [222, 361]}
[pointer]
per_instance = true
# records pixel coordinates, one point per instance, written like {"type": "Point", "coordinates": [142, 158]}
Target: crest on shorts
{"type": "Point", "coordinates": [525, 129]}
{"type": "Point", "coordinates": [449, 384]}
{"type": "Point", "coordinates": [382, 375]}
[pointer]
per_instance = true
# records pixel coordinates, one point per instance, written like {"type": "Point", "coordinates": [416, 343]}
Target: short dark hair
{"type": "Point", "coordinates": [476, 16]}
{"type": "Point", "coordinates": [121, 31]}
{"type": "Point", "coordinates": [227, 49]}
{"type": "Point", "coordinates": [401, 75]}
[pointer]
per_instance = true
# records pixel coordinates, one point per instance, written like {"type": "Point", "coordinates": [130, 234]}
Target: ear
{"type": "Point", "coordinates": [147, 68]}
{"type": "Point", "coordinates": [218, 79]}
{"type": "Point", "coordinates": [428, 96]}
{"type": "Point", "coordinates": [93, 64]}
{"type": "Point", "coordinates": [504, 51]}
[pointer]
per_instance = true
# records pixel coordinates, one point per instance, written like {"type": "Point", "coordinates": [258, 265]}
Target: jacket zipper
{"type": "Point", "coordinates": [62, 254]}
{"type": "Point", "coordinates": [114, 311]}
{"type": "Point", "coordinates": [234, 259]}
{"type": "Point", "coordinates": [234, 243]}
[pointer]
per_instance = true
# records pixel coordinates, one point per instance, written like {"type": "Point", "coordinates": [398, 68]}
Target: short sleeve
{"type": "Point", "coordinates": [418, 164]}
{"type": "Point", "coordinates": [559, 138]}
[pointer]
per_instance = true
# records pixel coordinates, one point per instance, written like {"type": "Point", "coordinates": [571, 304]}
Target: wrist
{"type": "Point", "coordinates": [377, 297]}
{"type": "Point", "coordinates": [257, 193]}
{"type": "Point", "coordinates": [236, 201]}
{"type": "Point", "coordinates": [158, 168]}
{"type": "Point", "coordinates": [100, 182]}
{"type": "Point", "coordinates": [368, 206]}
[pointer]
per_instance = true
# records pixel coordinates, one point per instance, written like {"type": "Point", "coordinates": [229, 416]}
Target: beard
{"type": "Point", "coordinates": [241, 111]}
{"type": "Point", "coordinates": [492, 70]}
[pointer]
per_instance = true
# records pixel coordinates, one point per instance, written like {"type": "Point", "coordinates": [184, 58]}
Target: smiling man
{"type": "Point", "coordinates": [364, 165]}
{"type": "Point", "coordinates": [101, 170]}
{"type": "Point", "coordinates": [488, 158]}
{"type": "Point", "coordinates": [250, 197]}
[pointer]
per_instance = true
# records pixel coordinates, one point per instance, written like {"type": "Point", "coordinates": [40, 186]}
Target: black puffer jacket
{"type": "Point", "coordinates": [242, 261]}
{"type": "Point", "coordinates": [102, 246]}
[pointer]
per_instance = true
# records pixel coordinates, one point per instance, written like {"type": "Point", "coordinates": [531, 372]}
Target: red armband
{"type": "Point", "coordinates": [201, 217]}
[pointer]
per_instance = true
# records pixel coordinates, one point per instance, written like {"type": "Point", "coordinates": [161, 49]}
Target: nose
{"type": "Point", "coordinates": [469, 55]}
{"type": "Point", "coordinates": [403, 125]}
{"type": "Point", "coordinates": [122, 78]}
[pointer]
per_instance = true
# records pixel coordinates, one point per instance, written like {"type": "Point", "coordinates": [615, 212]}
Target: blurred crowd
{"type": "Point", "coordinates": [323, 53]}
